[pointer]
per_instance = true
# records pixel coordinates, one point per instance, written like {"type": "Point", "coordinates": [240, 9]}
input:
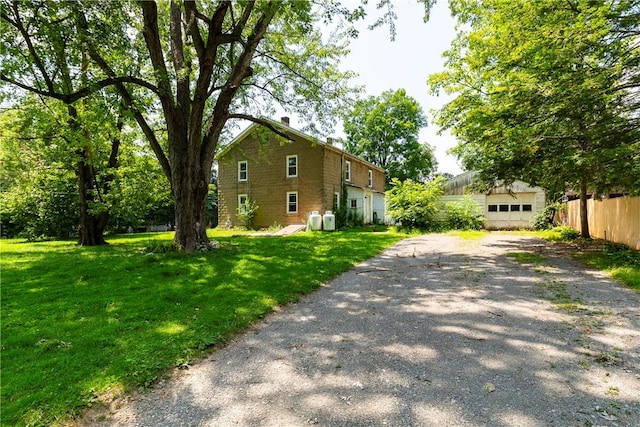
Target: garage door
{"type": "Point", "coordinates": [507, 211]}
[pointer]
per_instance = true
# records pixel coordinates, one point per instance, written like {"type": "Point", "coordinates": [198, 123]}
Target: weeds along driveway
{"type": "Point", "coordinates": [434, 331]}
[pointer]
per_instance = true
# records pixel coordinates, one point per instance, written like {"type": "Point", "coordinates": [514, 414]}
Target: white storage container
{"type": "Point", "coordinates": [315, 221]}
{"type": "Point", "coordinates": [329, 221]}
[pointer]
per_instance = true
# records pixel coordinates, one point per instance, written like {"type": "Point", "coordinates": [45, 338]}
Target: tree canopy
{"type": "Point", "coordinates": [39, 159]}
{"type": "Point", "coordinates": [384, 130]}
{"type": "Point", "coordinates": [546, 93]}
{"type": "Point", "coordinates": [201, 64]}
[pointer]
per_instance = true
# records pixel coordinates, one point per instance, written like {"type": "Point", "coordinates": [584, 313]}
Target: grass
{"type": "Point", "coordinates": [79, 323]}
{"type": "Point", "coordinates": [622, 263]}
{"type": "Point", "coordinates": [526, 257]}
{"type": "Point", "coordinates": [469, 234]}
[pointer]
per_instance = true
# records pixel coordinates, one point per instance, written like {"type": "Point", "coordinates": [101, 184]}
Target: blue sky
{"type": "Point", "coordinates": [406, 63]}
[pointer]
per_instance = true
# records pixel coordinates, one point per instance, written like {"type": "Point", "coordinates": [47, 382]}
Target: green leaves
{"type": "Point", "coordinates": [414, 204]}
{"type": "Point", "coordinates": [541, 92]}
{"type": "Point", "coordinates": [384, 131]}
{"type": "Point", "coordinates": [39, 154]}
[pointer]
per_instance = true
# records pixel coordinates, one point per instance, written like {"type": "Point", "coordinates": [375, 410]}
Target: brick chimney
{"type": "Point", "coordinates": [285, 120]}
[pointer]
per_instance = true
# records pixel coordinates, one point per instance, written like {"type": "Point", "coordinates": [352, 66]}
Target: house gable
{"type": "Point", "coordinates": [271, 180]}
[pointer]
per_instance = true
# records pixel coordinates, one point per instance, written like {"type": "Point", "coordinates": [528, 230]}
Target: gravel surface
{"type": "Point", "coordinates": [435, 331]}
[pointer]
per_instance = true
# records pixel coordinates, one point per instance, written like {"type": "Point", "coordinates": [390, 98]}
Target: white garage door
{"type": "Point", "coordinates": [507, 211]}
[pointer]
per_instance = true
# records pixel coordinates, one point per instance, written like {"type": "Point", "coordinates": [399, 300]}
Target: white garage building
{"type": "Point", "coordinates": [504, 207]}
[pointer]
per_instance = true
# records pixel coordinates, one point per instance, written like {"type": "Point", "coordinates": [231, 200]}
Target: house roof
{"type": "Point", "coordinates": [458, 185]}
{"type": "Point", "coordinates": [293, 132]}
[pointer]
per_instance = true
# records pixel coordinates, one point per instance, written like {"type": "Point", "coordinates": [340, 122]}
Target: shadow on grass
{"type": "Point", "coordinates": [77, 322]}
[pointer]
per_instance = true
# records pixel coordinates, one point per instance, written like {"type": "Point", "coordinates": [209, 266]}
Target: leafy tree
{"type": "Point", "coordinates": [39, 184]}
{"type": "Point", "coordinates": [547, 93]}
{"type": "Point", "coordinates": [415, 204]}
{"type": "Point", "coordinates": [465, 214]}
{"type": "Point", "coordinates": [204, 63]}
{"type": "Point", "coordinates": [384, 131]}
{"type": "Point", "coordinates": [39, 192]}
{"type": "Point", "coordinates": [42, 56]}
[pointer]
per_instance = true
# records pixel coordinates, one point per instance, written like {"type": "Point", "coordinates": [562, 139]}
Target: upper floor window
{"type": "Point", "coordinates": [370, 178]}
{"type": "Point", "coordinates": [243, 170]}
{"type": "Point", "coordinates": [292, 166]}
{"type": "Point", "coordinates": [347, 171]}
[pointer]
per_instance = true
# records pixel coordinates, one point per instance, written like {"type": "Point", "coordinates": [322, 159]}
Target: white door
{"type": "Point", "coordinates": [367, 208]}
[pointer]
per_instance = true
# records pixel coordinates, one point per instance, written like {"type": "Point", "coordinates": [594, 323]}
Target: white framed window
{"type": "Point", "coordinates": [353, 203]}
{"type": "Point", "coordinates": [243, 203]}
{"type": "Point", "coordinates": [292, 202]}
{"type": "Point", "coordinates": [370, 178]}
{"type": "Point", "coordinates": [243, 170]}
{"type": "Point", "coordinates": [336, 201]}
{"type": "Point", "coordinates": [347, 170]}
{"type": "Point", "coordinates": [292, 166]}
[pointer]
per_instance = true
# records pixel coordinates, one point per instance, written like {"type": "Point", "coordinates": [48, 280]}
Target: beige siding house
{"type": "Point", "coordinates": [504, 207]}
{"type": "Point", "coordinates": [288, 180]}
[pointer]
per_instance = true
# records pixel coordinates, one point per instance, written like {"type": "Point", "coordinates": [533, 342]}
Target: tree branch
{"type": "Point", "coordinates": [241, 70]}
{"type": "Point", "coordinates": [151, 35]}
{"type": "Point", "coordinates": [266, 123]}
{"type": "Point", "coordinates": [70, 98]}
{"type": "Point", "coordinates": [127, 98]}
{"type": "Point", "coordinates": [192, 28]}
{"type": "Point", "coordinates": [27, 38]}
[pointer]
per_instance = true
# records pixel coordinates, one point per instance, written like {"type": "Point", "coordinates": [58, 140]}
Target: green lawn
{"type": "Point", "coordinates": [622, 263]}
{"type": "Point", "coordinates": [81, 322]}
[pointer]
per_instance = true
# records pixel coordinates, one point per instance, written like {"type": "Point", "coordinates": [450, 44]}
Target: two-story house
{"type": "Point", "coordinates": [289, 179]}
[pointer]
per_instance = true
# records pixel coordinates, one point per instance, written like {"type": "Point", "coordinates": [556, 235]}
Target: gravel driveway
{"type": "Point", "coordinates": [436, 331]}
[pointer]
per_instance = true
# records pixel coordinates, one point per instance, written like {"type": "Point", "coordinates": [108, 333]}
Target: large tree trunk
{"type": "Point", "coordinates": [190, 188]}
{"type": "Point", "coordinates": [91, 227]}
{"type": "Point", "coordinates": [584, 218]}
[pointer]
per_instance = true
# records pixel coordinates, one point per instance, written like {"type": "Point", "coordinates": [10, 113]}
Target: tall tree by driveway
{"type": "Point", "coordinates": [547, 92]}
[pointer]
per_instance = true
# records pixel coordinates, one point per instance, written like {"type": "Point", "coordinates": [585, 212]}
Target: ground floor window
{"type": "Point", "coordinates": [243, 203]}
{"type": "Point", "coordinates": [353, 203]}
{"type": "Point", "coordinates": [336, 201]}
{"type": "Point", "coordinates": [292, 202]}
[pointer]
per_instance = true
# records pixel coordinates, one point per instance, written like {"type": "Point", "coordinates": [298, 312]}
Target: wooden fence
{"type": "Point", "coordinates": [615, 220]}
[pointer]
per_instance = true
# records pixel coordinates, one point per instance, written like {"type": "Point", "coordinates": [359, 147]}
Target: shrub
{"type": "Point", "coordinates": [247, 213]}
{"type": "Point", "coordinates": [545, 220]}
{"type": "Point", "coordinates": [415, 204]}
{"type": "Point", "coordinates": [540, 221]}
{"type": "Point", "coordinates": [567, 233]}
{"type": "Point", "coordinates": [465, 214]}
